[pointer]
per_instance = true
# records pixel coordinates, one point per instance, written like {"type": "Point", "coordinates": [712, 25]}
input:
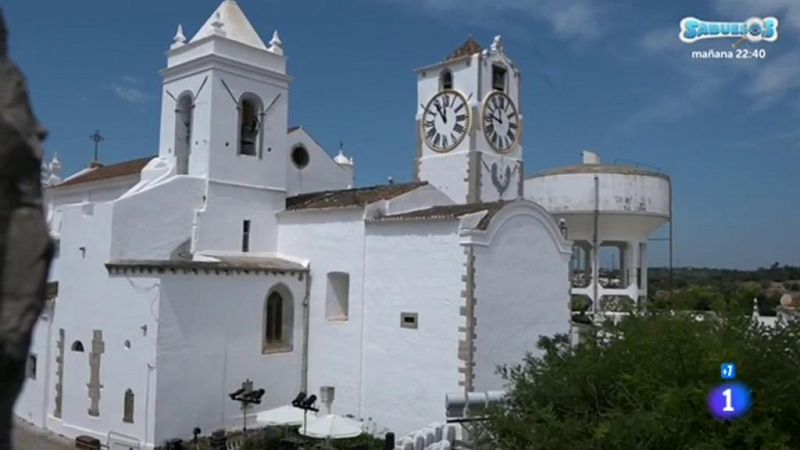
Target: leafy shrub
{"type": "Point", "coordinates": [648, 390]}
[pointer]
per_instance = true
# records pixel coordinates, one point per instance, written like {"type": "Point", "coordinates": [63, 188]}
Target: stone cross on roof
{"type": "Point", "coordinates": [97, 138]}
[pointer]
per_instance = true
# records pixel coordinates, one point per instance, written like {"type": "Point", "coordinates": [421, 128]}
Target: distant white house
{"type": "Point", "coordinates": [243, 251]}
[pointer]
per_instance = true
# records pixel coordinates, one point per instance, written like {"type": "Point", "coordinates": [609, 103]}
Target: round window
{"type": "Point", "coordinates": [300, 157]}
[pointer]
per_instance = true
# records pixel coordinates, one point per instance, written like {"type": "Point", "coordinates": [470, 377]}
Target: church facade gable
{"type": "Point", "coordinates": [520, 263]}
{"type": "Point", "coordinates": [309, 168]}
{"type": "Point", "coordinates": [244, 252]}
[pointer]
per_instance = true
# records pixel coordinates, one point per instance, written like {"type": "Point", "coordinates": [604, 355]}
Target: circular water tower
{"type": "Point", "coordinates": [608, 211]}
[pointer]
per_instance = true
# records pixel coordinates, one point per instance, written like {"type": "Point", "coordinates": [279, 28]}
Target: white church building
{"type": "Point", "coordinates": [243, 251]}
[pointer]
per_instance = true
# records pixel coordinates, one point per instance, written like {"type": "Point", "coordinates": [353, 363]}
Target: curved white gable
{"type": "Point", "coordinates": [510, 211]}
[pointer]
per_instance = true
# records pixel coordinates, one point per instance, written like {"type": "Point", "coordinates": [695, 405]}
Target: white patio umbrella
{"type": "Point", "coordinates": [332, 427]}
{"type": "Point", "coordinates": [286, 415]}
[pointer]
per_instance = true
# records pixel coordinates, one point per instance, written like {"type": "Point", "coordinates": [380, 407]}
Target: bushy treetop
{"type": "Point", "coordinates": [644, 384]}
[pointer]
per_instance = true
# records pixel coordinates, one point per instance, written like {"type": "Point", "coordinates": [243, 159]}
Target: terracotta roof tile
{"type": "Point", "coordinates": [470, 47]}
{"type": "Point", "coordinates": [349, 197]}
{"type": "Point", "coordinates": [122, 169]}
{"type": "Point", "coordinates": [450, 212]}
{"type": "Point", "coordinates": [253, 263]}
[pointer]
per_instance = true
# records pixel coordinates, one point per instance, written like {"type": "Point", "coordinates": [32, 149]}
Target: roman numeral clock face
{"type": "Point", "coordinates": [500, 122]}
{"type": "Point", "coordinates": [445, 120]}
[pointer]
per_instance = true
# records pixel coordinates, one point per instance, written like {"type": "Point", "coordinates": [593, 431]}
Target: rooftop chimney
{"type": "Point", "coordinates": [326, 395]}
{"type": "Point", "coordinates": [590, 157]}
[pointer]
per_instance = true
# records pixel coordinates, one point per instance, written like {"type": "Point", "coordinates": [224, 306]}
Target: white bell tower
{"type": "Point", "coordinates": [486, 165]}
{"type": "Point", "coordinates": [223, 119]}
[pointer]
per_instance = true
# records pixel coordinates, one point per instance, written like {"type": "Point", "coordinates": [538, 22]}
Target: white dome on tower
{"type": "Point", "coordinates": [51, 171]}
{"type": "Point", "coordinates": [341, 159]}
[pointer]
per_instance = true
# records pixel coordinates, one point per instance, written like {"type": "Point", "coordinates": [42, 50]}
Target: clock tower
{"type": "Point", "coordinates": [470, 125]}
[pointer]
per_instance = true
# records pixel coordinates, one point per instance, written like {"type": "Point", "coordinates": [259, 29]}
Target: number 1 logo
{"type": "Point", "coordinates": [728, 394]}
{"type": "Point", "coordinates": [729, 401]}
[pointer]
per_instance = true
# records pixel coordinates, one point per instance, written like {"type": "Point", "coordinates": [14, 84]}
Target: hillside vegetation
{"type": "Point", "coordinates": [706, 289]}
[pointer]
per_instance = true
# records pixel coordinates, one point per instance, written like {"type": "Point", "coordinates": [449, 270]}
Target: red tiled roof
{"type": "Point", "coordinates": [450, 212]}
{"type": "Point", "coordinates": [122, 169]}
{"type": "Point", "coordinates": [240, 263]}
{"type": "Point", "coordinates": [349, 197]}
{"type": "Point", "coordinates": [470, 47]}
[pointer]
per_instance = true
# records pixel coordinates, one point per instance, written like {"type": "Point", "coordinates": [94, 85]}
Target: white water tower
{"type": "Point", "coordinates": [609, 212]}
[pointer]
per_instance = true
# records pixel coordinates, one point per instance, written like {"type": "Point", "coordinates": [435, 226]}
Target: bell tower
{"type": "Point", "coordinates": [485, 163]}
{"type": "Point", "coordinates": [224, 117]}
{"type": "Point", "coordinates": [224, 106]}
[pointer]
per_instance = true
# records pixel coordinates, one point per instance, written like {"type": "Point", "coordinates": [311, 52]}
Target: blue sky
{"type": "Point", "coordinates": [605, 75]}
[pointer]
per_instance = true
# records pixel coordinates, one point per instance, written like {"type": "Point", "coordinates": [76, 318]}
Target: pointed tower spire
{"type": "Point", "coordinates": [468, 48]}
{"type": "Point", "coordinates": [276, 44]}
{"type": "Point", "coordinates": [55, 165]}
{"type": "Point", "coordinates": [229, 21]}
{"type": "Point", "coordinates": [55, 171]}
{"type": "Point", "coordinates": [179, 40]}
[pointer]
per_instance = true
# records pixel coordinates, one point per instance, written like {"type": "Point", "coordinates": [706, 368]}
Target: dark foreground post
{"type": "Point", "coordinates": [25, 247]}
{"type": "Point", "coordinates": [388, 442]}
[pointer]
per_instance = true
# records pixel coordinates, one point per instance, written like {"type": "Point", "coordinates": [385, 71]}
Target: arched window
{"type": "Point", "coordinates": [278, 321]}
{"type": "Point", "coordinates": [337, 297]}
{"type": "Point", "coordinates": [274, 330]}
{"type": "Point", "coordinates": [445, 80]}
{"type": "Point", "coordinates": [184, 112]}
{"type": "Point", "coordinates": [77, 346]}
{"type": "Point", "coordinates": [499, 77]}
{"type": "Point", "coordinates": [249, 125]}
{"type": "Point", "coordinates": [127, 413]}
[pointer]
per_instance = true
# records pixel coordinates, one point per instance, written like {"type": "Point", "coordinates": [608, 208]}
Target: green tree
{"type": "Point", "coordinates": [649, 389]}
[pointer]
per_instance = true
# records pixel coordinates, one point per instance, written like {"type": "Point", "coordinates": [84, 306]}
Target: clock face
{"type": "Point", "coordinates": [500, 122]}
{"type": "Point", "coordinates": [445, 120]}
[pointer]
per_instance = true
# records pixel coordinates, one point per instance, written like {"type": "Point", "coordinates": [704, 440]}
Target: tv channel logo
{"type": "Point", "coordinates": [730, 401]}
{"type": "Point", "coordinates": [754, 29]}
{"type": "Point", "coordinates": [728, 371]}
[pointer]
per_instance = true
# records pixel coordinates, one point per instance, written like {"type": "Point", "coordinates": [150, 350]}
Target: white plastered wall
{"type": "Point", "coordinates": [414, 267]}
{"type": "Point", "coordinates": [210, 341]}
{"type": "Point", "coordinates": [521, 288]}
